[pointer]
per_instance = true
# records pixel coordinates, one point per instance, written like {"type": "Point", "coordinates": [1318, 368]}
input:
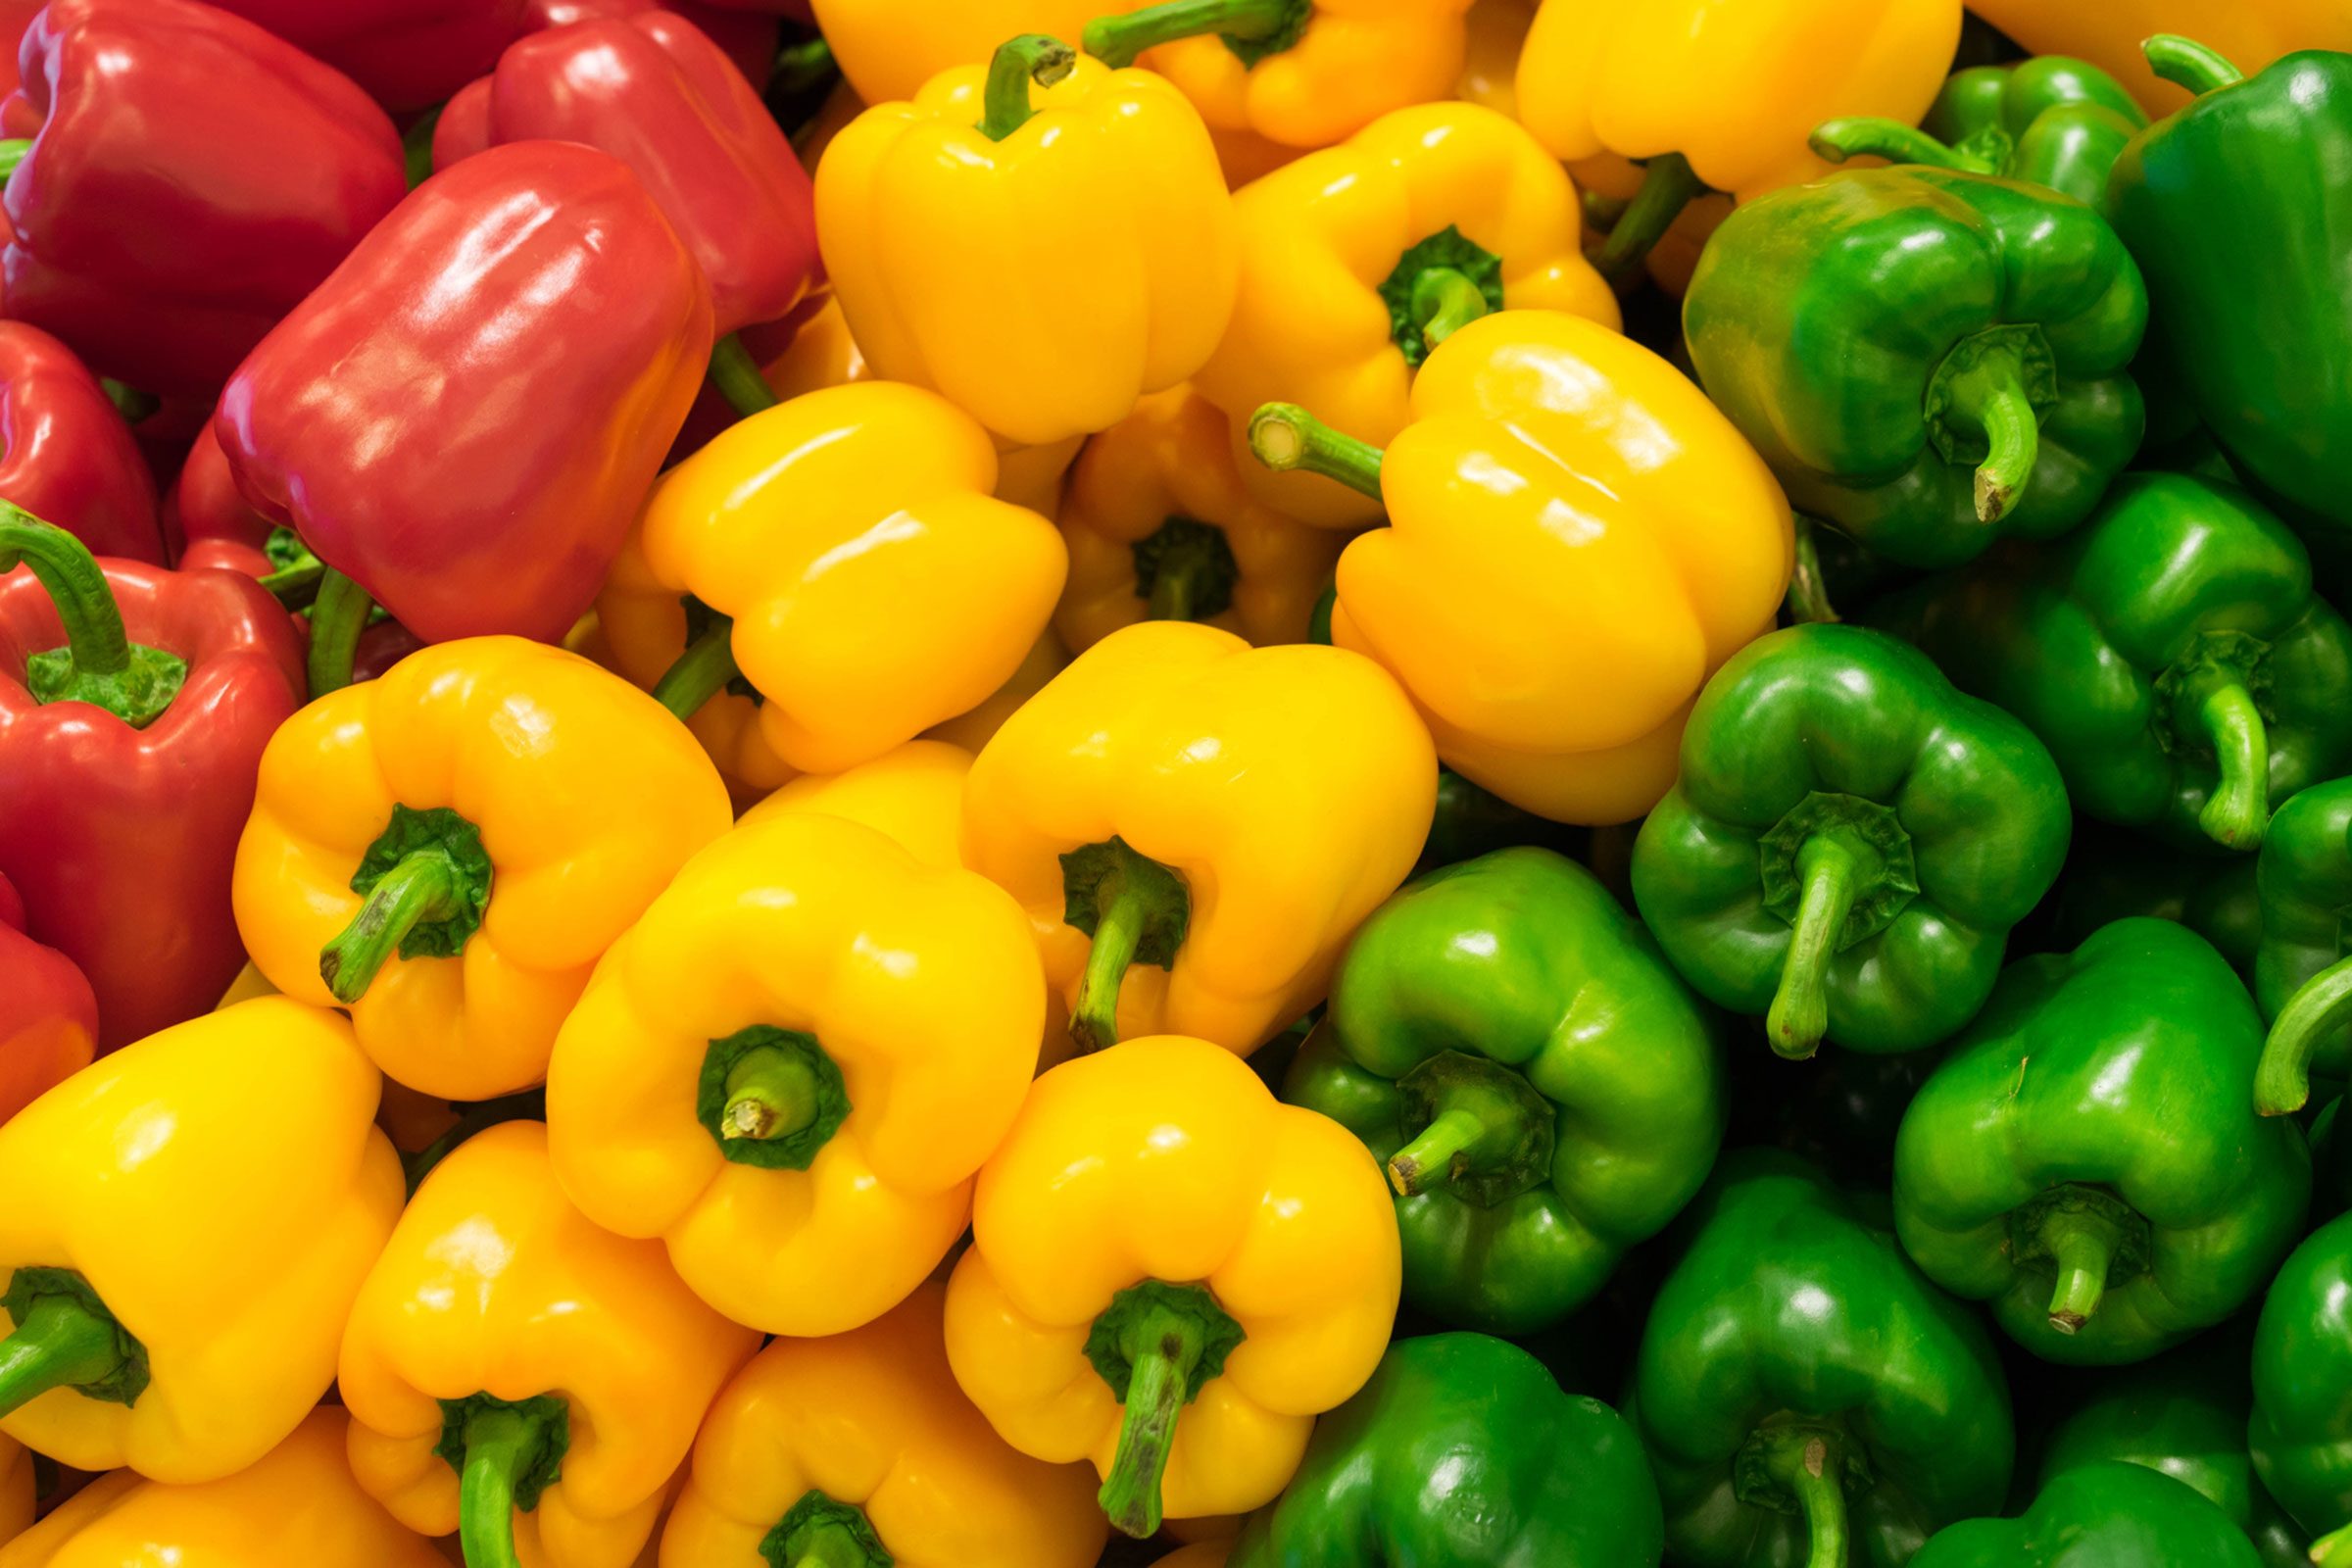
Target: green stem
{"type": "Point", "coordinates": [338, 615]}
{"type": "Point", "coordinates": [2189, 64]}
{"type": "Point", "coordinates": [423, 886]}
{"type": "Point", "coordinates": [12, 153]}
{"type": "Point", "coordinates": [802, 66]}
{"type": "Point", "coordinates": [2083, 1245]}
{"type": "Point", "coordinates": [2320, 1006]}
{"type": "Point", "coordinates": [2239, 810]}
{"type": "Point", "coordinates": [416, 146]}
{"type": "Point", "coordinates": [61, 1343]}
{"type": "Point", "coordinates": [1445, 301]}
{"type": "Point", "coordinates": [1841, 140]}
{"type": "Point", "coordinates": [1285, 436]}
{"type": "Point", "coordinates": [701, 672]}
{"type": "Point", "coordinates": [1800, 1009]}
{"type": "Point", "coordinates": [1602, 212]}
{"type": "Point", "coordinates": [1808, 599]}
{"type": "Point", "coordinates": [128, 401]}
{"type": "Point", "coordinates": [1172, 598]}
{"type": "Point", "coordinates": [2334, 1549]}
{"type": "Point", "coordinates": [1156, 1397]}
{"type": "Point", "coordinates": [499, 1444]}
{"type": "Point", "coordinates": [829, 1545]}
{"type": "Point", "coordinates": [737, 376]}
{"type": "Point", "coordinates": [1119, 922]}
{"type": "Point", "coordinates": [1821, 1498]}
{"type": "Point", "coordinates": [1030, 58]}
{"type": "Point", "coordinates": [1117, 41]}
{"type": "Point", "coordinates": [85, 605]}
{"type": "Point", "coordinates": [1992, 392]}
{"type": "Point", "coordinates": [1428, 1161]}
{"type": "Point", "coordinates": [771, 1094]}
{"type": "Point", "coordinates": [295, 586]}
{"type": "Point", "coordinates": [1667, 187]}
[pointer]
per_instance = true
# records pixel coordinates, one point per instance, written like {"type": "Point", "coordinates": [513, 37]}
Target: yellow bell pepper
{"type": "Point", "coordinates": [913, 795]}
{"type": "Point", "coordinates": [1047, 657]}
{"type": "Point", "coordinates": [838, 1450]}
{"type": "Point", "coordinates": [1197, 826]}
{"type": "Point", "coordinates": [1719, 96]}
{"type": "Point", "coordinates": [1244, 155]}
{"type": "Point", "coordinates": [1160, 525]}
{"type": "Point", "coordinates": [889, 48]}
{"type": "Point", "coordinates": [1497, 31]}
{"type": "Point", "coordinates": [2250, 33]}
{"type": "Point", "coordinates": [498, 811]}
{"type": "Point", "coordinates": [560, 1370]}
{"type": "Point", "coordinates": [296, 1507]}
{"type": "Point", "coordinates": [821, 353]}
{"type": "Point", "coordinates": [1304, 72]}
{"type": "Point", "coordinates": [1045, 265]}
{"type": "Point", "coordinates": [793, 1066]}
{"type": "Point", "coordinates": [1171, 1274]}
{"type": "Point", "coordinates": [188, 1220]}
{"type": "Point", "coordinates": [1356, 260]}
{"type": "Point", "coordinates": [1577, 539]}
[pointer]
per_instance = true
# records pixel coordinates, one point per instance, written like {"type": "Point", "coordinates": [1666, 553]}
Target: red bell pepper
{"type": "Point", "coordinates": [64, 452]}
{"type": "Point", "coordinates": [208, 512]}
{"type": "Point", "coordinates": [464, 418]}
{"type": "Point", "coordinates": [661, 97]}
{"type": "Point", "coordinates": [15, 17]}
{"type": "Point", "coordinates": [748, 38]}
{"type": "Point", "coordinates": [134, 703]}
{"type": "Point", "coordinates": [48, 1014]}
{"type": "Point", "coordinates": [410, 54]}
{"type": "Point", "coordinates": [191, 179]}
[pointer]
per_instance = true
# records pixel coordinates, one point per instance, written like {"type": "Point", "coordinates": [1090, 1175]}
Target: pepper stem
{"type": "Point", "coordinates": [1117, 41]}
{"type": "Point", "coordinates": [416, 146]}
{"type": "Point", "coordinates": [1428, 1161]}
{"type": "Point", "coordinates": [1118, 929]}
{"type": "Point", "coordinates": [1822, 1500]}
{"type": "Point", "coordinates": [1868, 136]}
{"type": "Point", "coordinates": [129, 402]}
{"type": "Point", "coordinates": [1030, 58]}
{"type": "Point", "coordinates": [1808, 599]}
{"type": "Point", "coordinates": [771, 1094]}
{"type": "Point", "coordinates": [737, 376]}
{"type": "Point", "coordinates": [85, 605]}
{"type": "Point", "coordinates": [2320, 1007]}
{"type": "Point", "coordinates": [1992, 392]}
{"type": "Point", "coordinates": [338, 615]}
{"type": "Point", "coordinates": [1667, 187]}
{"type": "Point", "coordinates": [501, 1443]}
{"type": "Point", "coordinates": [61, 1343]}
{"type": "Point", "coordinates": [297, 585]}
{"type": "Point", "coordinates": [1445, 301]}
{"type": "Point", "coordinates": [2083, 1244]}
{"type": "Point", "coordinates": [701, 672]}
{"type": "Point", "coordinates": [2189, 64]}
{"type": "Point", "coordinates": [1800, 1009]}
{"type": "Point", "coordinates": [423, 886]}
{"type": "Point", "coordinates": [1285, 436]}
{"type": "Point", "coordinates": [12, 153]}
{"type": "Point", "coordinates": [2334, 1549]}
{"type": "Point", "coordinates": [829, 1545]}
{"type": "Point", "coordinates": [2239, 812]}
{"type": "Point", "coordinates": [1169, 1345]}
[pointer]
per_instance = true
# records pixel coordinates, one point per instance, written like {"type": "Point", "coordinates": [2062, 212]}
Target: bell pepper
{"type": "Point", "coordinates": [463, 417]}
{"type": "Point", "coordinates": [1803, 1394]}
{"type": "Point", "coordinates": [1161, 526]}
{"type": "Point", "coordinates": [1928, 359]}
{"type": "Point", "coordinates": [189, 180]}
{"type": "Point", "coordinates": [1047, 657]}
{"type": "Point", "coordinates": [2087, 1158]}
{"type": "Point", "coordinates": [861, 1451]}
{"type": "Point", "coordinates": [2110, 874]}
{"type": "Point", "coordinates": [2102, 1513]}
{"type": "Point", "coordinates": [2303, 964]}
{"type": "Point", "coordinates": [1848, 844]}
{"type": "Point", "coordinates": [888, 49]}
{"type": "Point", "coordinates": [192, 1217]}
{"type": "Point", "coordinates": [1299, 72]}
{"type": "Point", "coordinates": [748, 39]}
{"type": "Point", "coordinates": [1538, 1086]}
{"type": "Point", "coordinates": [48, 1014]}
{"type": "Point", "coordinates": [2170, 653]}
{"type": "Point", "coordinates": [2300, 1425]}
{"type": "Point", "coordinates": [519, 1376]}
{"type": "Point", "coordinates": [410, 54]}
{"type": "Point", "coordinates": [1042, 257]}
{"type": "Point", "coordinates": [1494, 32]}
{"type": "Point", "coordinates": [448, 850]}
{"type": "Point", "coordinates": [1286, 790]}
{"type": "Point", "coordinates": [135, 705]}
{"type": "Point", "coordinates": [1470, 822]}
{"type": "Point", "coordinates": [19, 1488]}
{"type": "Point", "coordinates": [1720, 97]}
{"type": "Point", "coordinates": [1359, 260]}
{"type": "Point", "coordinates": [1171, 1274]}
{"type": "Point", "coordinates": [1553, 660]}
{"type": "Point", "coordinates": [1463, 1453]}
{"type": "Point", "coordinates": [64, 452]}
{"type": "Point", "coordinates": [2109, 35]}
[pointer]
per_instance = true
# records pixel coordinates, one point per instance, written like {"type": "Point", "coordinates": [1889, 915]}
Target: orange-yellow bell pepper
{"type": "Point", "coordinates": [792, 1067]}
{"type": "Point", "coordinates": [1041, 263]}
{"type": "Point", "coordinates": [1304, 73]}
{"type": "Point", "coordinates": [1497, 31]}
{"type": "Point", "coordinates": [296, 1507]}
{"type": "Point", "coordinates": [498, 811]}
{"type": "Point", "coordinates": [1171, 1274]}
{"type": "Point", "coordinates": [188, 1220]}
{"type": "Point", "coordinates": [1161, 526]}
{"type": "Point", "coordinates": [838, 1450]}
{"type": "Point", "coordinates": [1197, 826]}
{"type": "Point", "coordinates": [1047, 657]}
{"type": "Point", "coordinates": [2248, 34]}
{"type": "Point", "coordinates": [519, 1375]}
{"type": "Point", "coordinates": [1357, 259]}
{"type": "Point", "coordinates": [889, 48]}
{"type": "Point", "coordinates": [1577, 539]}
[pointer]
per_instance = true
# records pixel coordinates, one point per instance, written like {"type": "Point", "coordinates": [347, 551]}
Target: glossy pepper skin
{"type": "Point", "coordinates": [500, 812]}
{"type": "Point", "coordinates": [452, 1367]}
{"type": "Point", "coordinates": [2298, 1430]}
{"type": "Point", "coordinates": [1042, 255]}
{"type": "Point", "coordinates": [2088, 1159]}
{"type": "Point", "coordinates": [1554, 663]}
{"type": "Point", "coordinates": [181, 1256]}
{"type": "Point", "coordinates": [888, 49]}
{"type": "Point", "coordinates": [1196, 826]}
{"type": "Point", "coordinates": [1358, 260]}
{"type": "Point", "coordinates": [48, 1014]}
{"type": "Point", "coordinates": [2303, 964]}
{"type": "Point", "coordinates": [2108, 1516]}
{"type": "Point", "coordinates": [862, 1441]}
{"type": "Point", "coordinates": [134, 706]}
{"type": "Point", "coordinates": [1929, 360]}
{"type": "Point", "coordinates": [1803, 1394]}
{"type": "Point", "coordinates": [410, 54]}
{"type": "Point", "coordinates": [2110, 36]}
{"type": "Point", "coordinates": [653, 91]}
{"type": "Point", "coordinates": [2050, 120]}
{"type": "Point", "coordinates": [1171, 1275]}
{"type": "Point", "coordinates": [471, 455]}
{"type": "Point", "coordinates": [190, 180]}
{"type": "Point", "coordinates": [1530, 1073]}
{"type": "Point", "coordinates": [2170, 652]}
{"type": "Point", "coordinates": [748, 39]}
{"type": "Point", "coordinates": [1848, 844]}
{"type": "Point", "coordinates": [66, 456]}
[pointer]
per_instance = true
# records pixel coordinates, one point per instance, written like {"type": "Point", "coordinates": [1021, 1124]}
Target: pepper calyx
{"type": "Point", "coordinates": [1472, 1126]}
{"type": "Point", "coordinates": [770, 1097]}
{"type": "Point", "coordinates": [80, 1345]}
{"type": "Point", "coordinates": [1135, 911]}
{"type": "Point", "coordinates": [1446, 251]}
{"type": "Point", "coordinates": [824, 1533]}
{"type": "Point", "coordinates": [1185, 570]}
{"type": "Point", "coordinates": [1887, 874]}
{"type": "Point", "coordinates": [2089, 1240]}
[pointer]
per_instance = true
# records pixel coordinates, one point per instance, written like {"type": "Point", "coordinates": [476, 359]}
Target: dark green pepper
{"type": "Point", "coordinates": [1461, 1453]}
{"type": "Point", "coordinates": [2110, 1515]}
{"type": "Point", "coordinates": [2112, 874]}
{"type": "Point", "coordinates": [1928, 359]}
{"type": "Point", "coordinates": [1510, 1042]}
{"type": "Point", "coordinates": [1849, 842]}
{"type": "Point", "coordinates": [2301, 1430]}
{"type": "Point", "coordinates": [1841, 1111]}
{"type": "Point", "coordinates": [2303, 969]}
{"type": "Point", "coordinates": [1470, 821]}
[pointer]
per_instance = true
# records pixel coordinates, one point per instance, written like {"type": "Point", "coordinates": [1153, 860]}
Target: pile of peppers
{"type": "Point", "coordinates": [1205, 783]}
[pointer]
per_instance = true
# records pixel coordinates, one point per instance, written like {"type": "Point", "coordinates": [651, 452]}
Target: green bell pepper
{"type": "Point", "coordinates": [2301, 1430]}
{"type": "Point", "coordinates": [2111, 874]}
{"type": "Point", "coordinates": [2303, 967]}
{"type": "Point", "coordinates": [2170, 653]}
{"type": "Point", "coordinates": [2331, 1162]}
{"type": "Point", "coordinates": [1461, 1453]}
{"type": "Point", "coordinates": [1928, 359]}
{"type": "Point", "coordinates": [2110, 1515]}
{"type": "Point", "coordinates": [1544, 1091]}
{"type": "Point", "coordinates": [1849, 842]}
{"type": "Point", "coordinates": [2087, 1158]}
{"type": "Point", "coordinates": [1805, 1396]}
